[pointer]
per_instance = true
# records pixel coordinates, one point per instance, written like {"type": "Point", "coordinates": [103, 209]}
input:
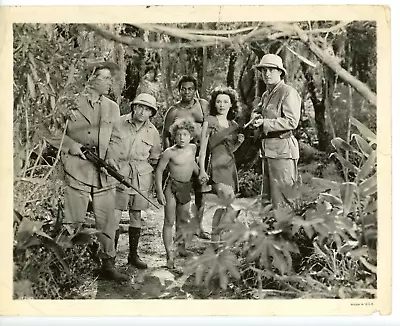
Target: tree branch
{"type": "Point", "coordinates": [139, 43]}
{"type": "Point", "coordinates": [284, 29]}
{"type": "Point", "coordinates": [333, 64]}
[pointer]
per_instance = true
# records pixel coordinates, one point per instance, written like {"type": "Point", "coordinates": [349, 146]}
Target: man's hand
{"type": "Point", "coordinates": [76, 150]}
{"type": "Point", "coordinates": [161, 198]}
{"type": "Point", "coordinates": [255, 115]}
{"type": "Point", "coordinates": [240, 138]}
{"type": "Point", "coordinates": [111, 163]}
{"type": "Point", "coordinates": [258, 122]}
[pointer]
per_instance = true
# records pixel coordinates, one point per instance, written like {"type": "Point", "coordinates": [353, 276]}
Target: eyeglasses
{"type": "Point", "coordinates": [108, 78]}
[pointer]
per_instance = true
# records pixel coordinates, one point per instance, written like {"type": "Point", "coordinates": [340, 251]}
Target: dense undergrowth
{"type": "Point", "coordinates": [320, 244]}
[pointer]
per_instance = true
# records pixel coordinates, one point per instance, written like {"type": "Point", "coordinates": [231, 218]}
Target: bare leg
{"type": "Point", "coordinates": [200, 203]}
{"type": "Point", "coordinates": [215, 233]}
{"type": "Point", "coordinates": [224, 192]}
{"type": "Point", "coordinates": [182, 221]}
{"type": "Point", "coordinates": [169, 217]}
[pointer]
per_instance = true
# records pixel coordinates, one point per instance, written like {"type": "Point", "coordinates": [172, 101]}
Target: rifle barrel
{"type": "Point", "coordinates": [113, 172]}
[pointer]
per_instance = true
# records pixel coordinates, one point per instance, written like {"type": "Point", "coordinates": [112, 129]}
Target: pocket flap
{"type": "Point", "coordinates": [149, 142]}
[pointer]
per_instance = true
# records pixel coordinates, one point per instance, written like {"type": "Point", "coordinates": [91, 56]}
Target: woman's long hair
{"type": "Point", "coordinates": [233, 111]}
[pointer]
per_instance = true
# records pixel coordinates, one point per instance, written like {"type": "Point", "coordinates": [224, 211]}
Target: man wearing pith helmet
{"type": "Point", "coordinates": [89, 122]}
{"type": "Point", "coordinates": [138, 147]}
{"type": "Point", "coordinates": [277, 116]}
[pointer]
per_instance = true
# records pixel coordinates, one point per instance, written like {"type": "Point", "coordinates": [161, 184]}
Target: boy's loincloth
{"type": "Point", "coordinates": [181, 190]}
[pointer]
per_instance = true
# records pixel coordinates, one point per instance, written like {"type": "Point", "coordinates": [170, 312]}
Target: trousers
{"type": "Point", "coordinates": [278, 173]}
{"type": "Point", "coordinates": [76, 204]}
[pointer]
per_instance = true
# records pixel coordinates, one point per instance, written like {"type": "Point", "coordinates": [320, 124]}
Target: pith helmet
{"type": "Point", "coordinates": [148, 100]}
{"type": "Point", "coordinates": [271, 61]}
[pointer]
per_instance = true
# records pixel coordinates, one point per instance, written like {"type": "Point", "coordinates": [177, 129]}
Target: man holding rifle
{"type": "Point", "coordinates": [137, 145]}
{"type": "Point", "coordinates": [89, 124]}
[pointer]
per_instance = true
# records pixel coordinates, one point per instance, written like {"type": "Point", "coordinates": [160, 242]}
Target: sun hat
{"type": "Point", "coordinates": [148, 100]}
{"type": "Point", "coordinates": [271, 61]}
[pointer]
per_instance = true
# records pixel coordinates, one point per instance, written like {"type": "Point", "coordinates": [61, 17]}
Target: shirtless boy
{"type": "Point", "coordinates": [196, 109]}
{"type": "Point", "coordinates": [179, 160]}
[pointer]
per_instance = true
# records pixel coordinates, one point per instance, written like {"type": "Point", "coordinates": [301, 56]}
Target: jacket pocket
{"type": "Point", "coordinates": [146, 146]}
{"type": "Point", "coordinates": [276, 148]}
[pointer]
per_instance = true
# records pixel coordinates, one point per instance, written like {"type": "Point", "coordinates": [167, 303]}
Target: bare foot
{"type": "Point", "coordinates": [170, 264]}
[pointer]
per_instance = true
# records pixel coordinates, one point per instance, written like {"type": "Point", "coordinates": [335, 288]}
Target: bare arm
{"type": "Point", "coordinates": [162, 164]}
{"type": "Point", "coordinates": [196, 169]}
{"type": "Point", "coordinates": [203, 148]}
{"type": "Point", "coordinates": [204, 108]}
{"type": "Point", "coordinates": [168, 121]}
{"type": "Point", "coordinates": [239, 142]}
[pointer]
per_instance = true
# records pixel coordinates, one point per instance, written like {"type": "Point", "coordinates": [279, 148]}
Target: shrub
{"type": "Point", "coordinates": [249, 183]}
{"type": "Point", "coordinates": [325, 248]}
{"type": "Point", "coordinates": [51, 261]}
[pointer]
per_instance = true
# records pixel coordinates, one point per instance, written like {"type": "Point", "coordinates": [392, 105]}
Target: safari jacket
{"type": "Point", "coordinates": [132, 149]}
{"type": "Point", "coordinates": [280, 109]}
{"type": "Point", "coordinates": [86, 126]}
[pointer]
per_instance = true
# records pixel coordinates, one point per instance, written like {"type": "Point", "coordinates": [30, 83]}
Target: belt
{"type": "Point", "coordinates": [279, 134]}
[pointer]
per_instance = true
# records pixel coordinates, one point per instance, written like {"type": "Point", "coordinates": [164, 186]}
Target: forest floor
{"type": "Point", "coordinates": [157, 282]}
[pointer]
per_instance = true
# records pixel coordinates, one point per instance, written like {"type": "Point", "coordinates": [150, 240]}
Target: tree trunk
{"type": "Point", "coordinates": [165, 73]}
{"type": "Point", "coordinates": [333, 64]}
{"type": "Point", "coordinates": [230, 76]}
{"type": "Point", "coordinates": [319, 109]}
{"type": "Point", "coordinates": [203, 91]}
{"type": "Point", "coordinates": [135, 68]}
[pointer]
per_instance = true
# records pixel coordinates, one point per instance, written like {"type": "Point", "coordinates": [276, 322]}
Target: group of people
{"type": "Point", "coordinates": [195, 152]}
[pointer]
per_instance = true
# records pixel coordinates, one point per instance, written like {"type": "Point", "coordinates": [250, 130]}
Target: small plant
{"type": "Point", "coordinates": [50, 259]}
{"type": "Point", "coordinates": [325, 248]}
{"type": "Point", "coordinates": [249, 183]}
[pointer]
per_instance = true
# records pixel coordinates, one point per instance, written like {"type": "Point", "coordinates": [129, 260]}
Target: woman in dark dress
{"type": "Point", "coordinates": [220, 138]}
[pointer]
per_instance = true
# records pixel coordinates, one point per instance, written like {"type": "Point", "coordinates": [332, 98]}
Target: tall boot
{"type": "Point", "coordinates": [116, 239]}
{"type": "Point", "coordinates": [115, 245]}
{"type": "Point", "coordinates": [133, 259]}
{"type": "Point", "coordinates": [109, 272]}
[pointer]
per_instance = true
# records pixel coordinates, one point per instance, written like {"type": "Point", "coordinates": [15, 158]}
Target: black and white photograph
{"type": "Point", "coordinates": [198, 160]}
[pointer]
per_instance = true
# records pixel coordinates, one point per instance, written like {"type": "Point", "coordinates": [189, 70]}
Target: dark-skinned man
{"type": "Point", "coordinates": [196, 109]}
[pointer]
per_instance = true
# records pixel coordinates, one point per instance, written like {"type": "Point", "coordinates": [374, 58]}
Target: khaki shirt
{"type": "Point", "coordinates": [280, 109]}
{"type": "Point", "coordinates": [133, 147]}
{"type": "Point", "coordinates": [88, 124]}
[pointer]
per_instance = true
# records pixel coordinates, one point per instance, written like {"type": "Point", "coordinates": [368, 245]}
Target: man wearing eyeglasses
{"type": "Point", "coordinates": [90, 122]}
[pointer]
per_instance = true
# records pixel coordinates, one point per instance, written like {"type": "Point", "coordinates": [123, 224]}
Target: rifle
{"type": "Point", "coordinates": [92, 157]}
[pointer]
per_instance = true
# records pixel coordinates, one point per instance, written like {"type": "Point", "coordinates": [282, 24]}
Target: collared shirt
{"type": "Point", "coordinates": [280, 109]}
{"type": "Point", "coordinates": [134, 147]}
